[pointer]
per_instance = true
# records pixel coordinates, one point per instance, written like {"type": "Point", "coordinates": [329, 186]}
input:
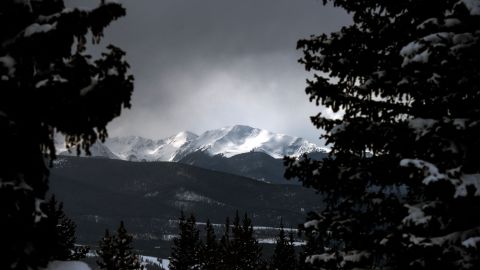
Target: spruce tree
{"type": "Point", "coordinates": [126, 257]}
{"type": "Point", "coordinates": [245, 251]}
{"type": "Point", "coordinates": [59, 232]}
{"type": "Point", "coordinates": [186, 247]}
{"type": "Point", "coordinates": [209, 250]}
{"type": "Point", "coordinates": [49, 84]}
{"type": "Point", "coordinates": [106, 251]}
{"type": "Point", "coordinates": [116, 251]}
{"type": "Point", "coordinates": [225, 249]}
{"type": "Point", "coordinates": [283, 257]}
{"type": "Point", "coordinates": [402, 183]}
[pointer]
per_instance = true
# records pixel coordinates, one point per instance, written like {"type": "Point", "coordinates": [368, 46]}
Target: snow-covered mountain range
{"type": "Point", "coordinates": [227, 141]}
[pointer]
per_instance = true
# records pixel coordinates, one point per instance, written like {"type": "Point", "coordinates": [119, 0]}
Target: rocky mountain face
{"type": "Point", "coordinates": [226, 142]}
{"type": "Point", "coordinates": [240, 150]}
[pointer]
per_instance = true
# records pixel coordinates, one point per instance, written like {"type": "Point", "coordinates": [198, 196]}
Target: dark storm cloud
{"type": "Point", "coordinates": [204, 64]}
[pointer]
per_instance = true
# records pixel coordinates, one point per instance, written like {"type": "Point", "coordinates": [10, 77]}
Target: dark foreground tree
{"type": "Point", "coordinates": [49, 84]}
{"type": "Point", "coordinates": [106, 251]}
{"type": "Point", "coordinates": [402, 184]}
{"type": "Point", "coordinates": [225, 250]}
{"type": "Point", "coordinates": [209, 250]}
{"type": "Point", "coordinates": [283, 257]}
{"type": "Point", "coordinates": [186, 247]}
{"type": "Point", "coordinates": [245, 251]}
{"type": "Point", "coordinates": [116, 251]}
{"type": "Point", "coordinates": [58, 232]}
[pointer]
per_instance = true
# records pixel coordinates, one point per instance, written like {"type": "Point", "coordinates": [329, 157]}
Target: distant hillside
{"type": "Point", "coordinates": [148, 196]}
{"type": "Point", "coordinates": [256, 165]}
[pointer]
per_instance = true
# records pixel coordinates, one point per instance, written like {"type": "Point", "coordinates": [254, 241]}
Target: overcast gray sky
{"type": "Point", "coordinates": [205, 64]}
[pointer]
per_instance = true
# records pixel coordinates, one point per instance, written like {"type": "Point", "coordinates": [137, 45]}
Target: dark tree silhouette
{"type": "Point", "coordinates": [209, 249]}
{"type": "Point", "coordinates": [402, 183]}
{"type": "Point", "coordinates": [186, 247]}
{"type": "Point", "coordinates": [283, 257]}
{"type": "Point", "coordinates": [116, 251]}
{"type": "Point", "coordinates": [58, 232]}
{"type": "Point", "coordinates": [225, 249]}
{"type": "Point", "coordinates": [106, 251]}
{"type": "Point", "coordinates": [245, 251]}
{"type": "Point", "coordinates": [49, 84]}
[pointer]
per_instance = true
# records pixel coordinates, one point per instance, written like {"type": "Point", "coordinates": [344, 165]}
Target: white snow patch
{"type": "Point", "coordinates": [415, 215]}
{"type": "Point", "coordinates": [55, 78]}
{"type": "Point", "coordinates": [58, 78]}
{"type": "Point", "coordinates": [465, 181]}
{"type": "Point", "coordinates": [415, 51]}
{"type": "Point", "coordinates": [89, 87]}
{"type": "Point", "coordinates": [471, 242]}
{"type": "Point", "coordinates": [258, 228]}
{"type": "Point", "coordinates": [460, 123]}
{"type": "Point", "coordinates": [355, 256]}
{"type": "Point", "coordinates": [421, 57]}
{"type": "Point", "coordinates": [149, 259]}
{"type": "Point", "coordinates": [164, 263]}
{"type": "Point", "coordinates": [38, 28]}
{"type": "Point", "coordinates": [338, 128]}
{"type": "Point", "coordinates": [273, 241]}
{"type": "Point", "coordinates": [8, 62]}
{"type": "Point", "coordinates": [421, 126]}
{"type": "Point", "coordinates": [112, 71]}
{"type": "Point", "coordinates": [191, 196]}
{"type": "Point", "coordinates": [39, 214]}
{"type": "Point", "coordinates": [410, 49]}
{"type": "Point", "coordinates": [430, 170]}
{"type": "Point", "coordinates": [433, 21]}
{"type": "Point", "coordinates": [70, 265]}
{"type": "Point", "coordinates": [325, 257]}
{"type": "Point", "coordinates": [463, 38]}
{"type": "Point", "coordinates": [450, 22]}
{"type": "Point", "coordinates": [311, 223]}
{"type": "Point", "coordinates": [41, 83]}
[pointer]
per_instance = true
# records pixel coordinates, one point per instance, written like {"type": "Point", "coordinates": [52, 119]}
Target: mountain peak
{"type": "Point", "coordinates": [187, 135]}
{"type": "Point", "coordinates": [227, 141]}
{"type": "Point", "coordinates": [180, 139]}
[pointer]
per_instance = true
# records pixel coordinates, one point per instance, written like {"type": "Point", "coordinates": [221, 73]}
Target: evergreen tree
{"type": "Point", "coordinates": [106, 251]}
{"type": "Point", "coordinates": [283, 257]}
{"type": "Point", "coordinates": [186, 247]}
{"type": "Point", "coordinates": [126, 258]}
{"type": "Point", "coordinates": [244, 248]}
{"type": "Point", "coordinates": [59, 232]}
{"type": "Point", "coordinates": [116, 251]}
{"type": "Point", "coordinates": [402, 184]}
{"type": "Point", "coordinates": [225, 249]}
{"type": "Point", "coordinates": [49, 85]}
{"type": "Point", "coordinates": [313, 244]}
{"type": "Point", "coordinates": [209, 250]}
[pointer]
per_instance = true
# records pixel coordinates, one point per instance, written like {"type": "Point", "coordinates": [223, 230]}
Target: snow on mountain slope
{"type": "Point", "coordinates": [171, 146]}
{"type": "Point", "coordinates": [231, 141]}
{"type": "Point", "coordinates": [97, 150]}
{"type": "Point", "coordinates": [132, 147]}
{"type": "Point", "coordinates": [137, 148]}
{"type": "Point", "coordinates": [227, 141]}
